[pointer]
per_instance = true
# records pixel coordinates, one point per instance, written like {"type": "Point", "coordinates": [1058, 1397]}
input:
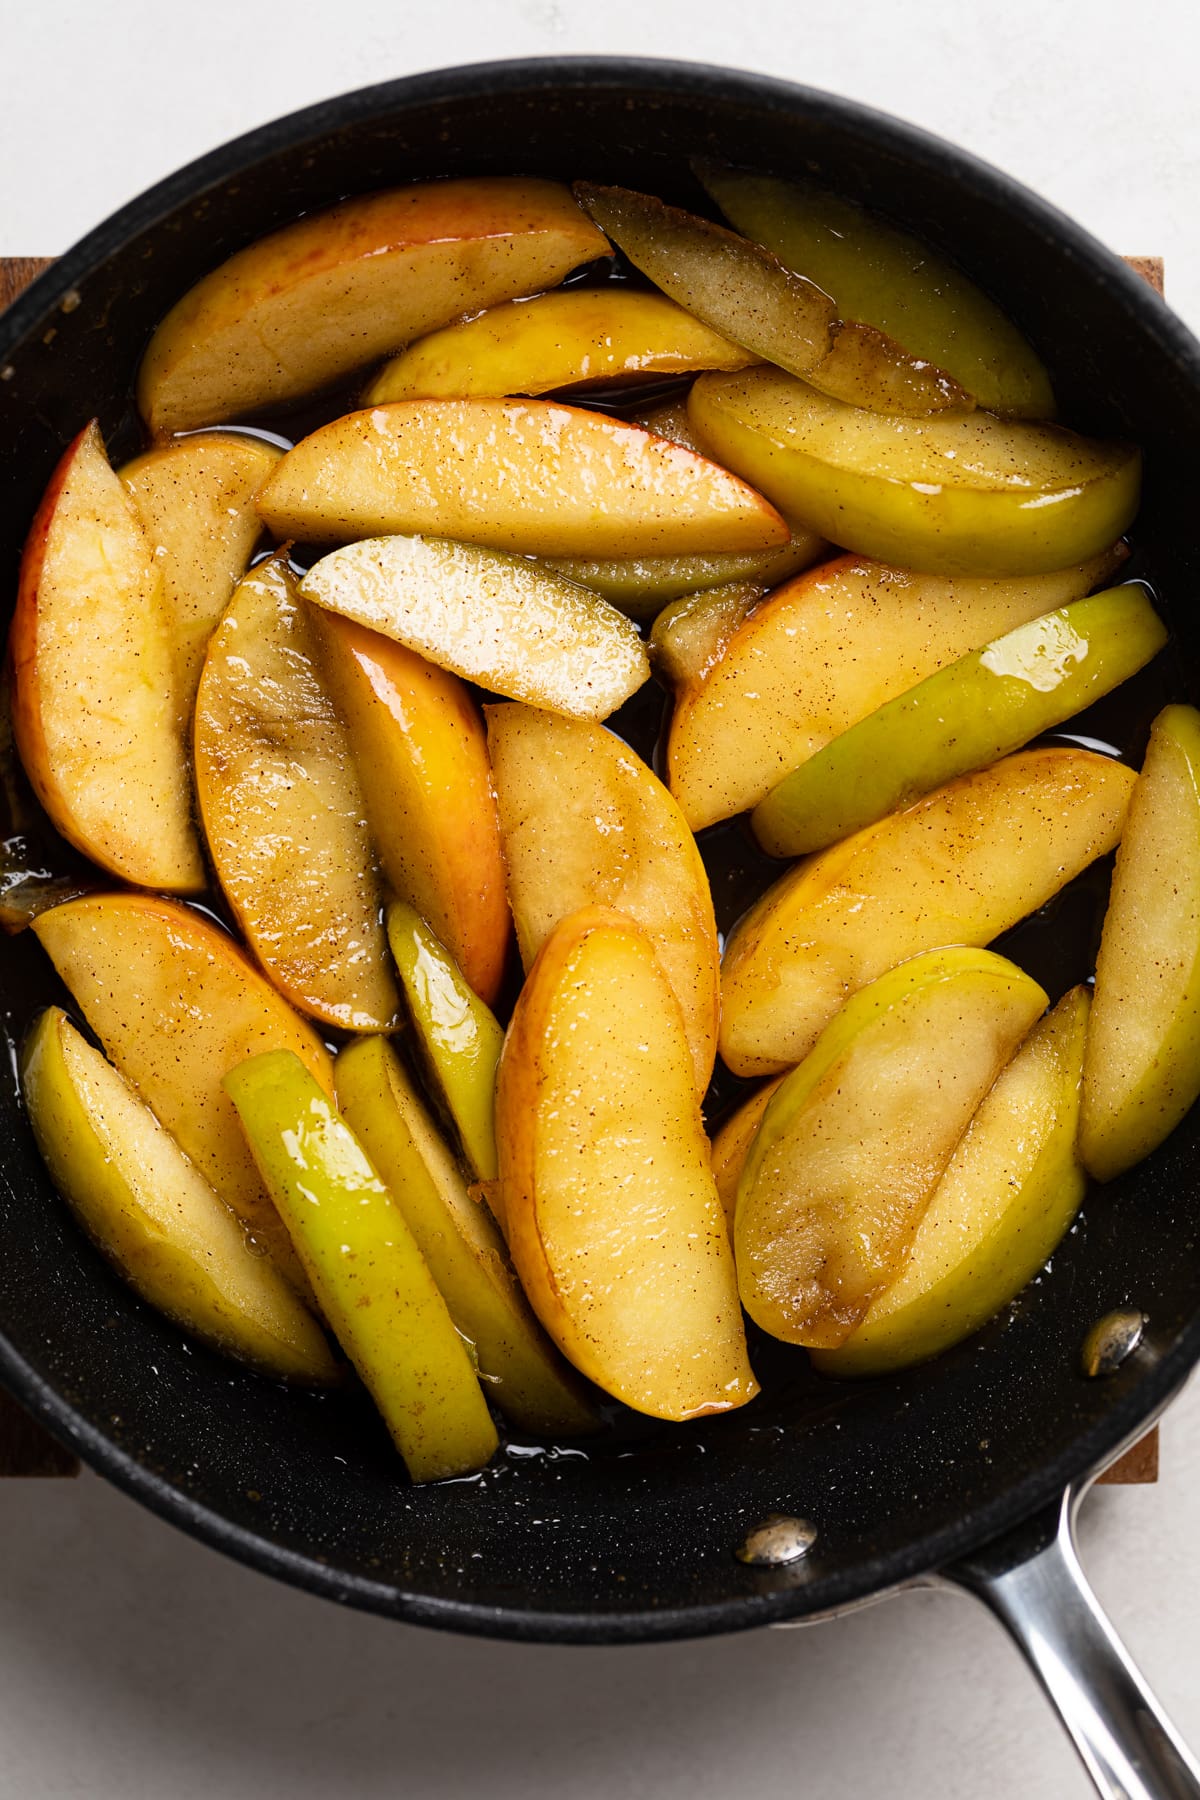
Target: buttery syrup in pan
{"type": "Point", "coordinates": [1056, 945]}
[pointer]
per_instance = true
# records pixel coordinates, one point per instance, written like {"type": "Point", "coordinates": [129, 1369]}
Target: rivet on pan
{"type": "Point", "coordinates": [1112, 1339]}
{"type": "Point", "coordinates": [779, 1539]}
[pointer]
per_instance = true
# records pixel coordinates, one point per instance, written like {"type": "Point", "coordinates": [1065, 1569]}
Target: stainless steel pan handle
{"type": "Point", "coordinates": [1033, 1583]}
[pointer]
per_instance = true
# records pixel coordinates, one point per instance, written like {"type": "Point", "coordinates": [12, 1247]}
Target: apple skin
{"type": "Point", "coordinates": [959, 867]}
{"type": "Point", "coordinates": [465, 1253]}
{"type": "Point", "coordinates": [94, 709]}
{"type": "Point", "coordinates": [964, 717]}
{"type": "Point", "coordinates": [153, 1215]}
{"type": "Point", "coordinates": [1040, 499]}
{"type": "Point", "coordinates": [419, 744]}
{"type": "Point", "coordinates": [1006, 1200]}
{"type": "Point", "coordinates": [614, 1222]}
{"type": "Point", "coordinates": [841, 1169]}
{"type": "Point", "coordinates": [338, 289]}
{"type": "Point", "coordinates": [1142, 1070]}
{"type": "Point", "coordinates": [535, 477]}
{"type": "Point", "coordinates": [373, 1284]}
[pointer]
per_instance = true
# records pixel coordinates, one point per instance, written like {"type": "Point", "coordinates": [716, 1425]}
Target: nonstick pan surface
{"type": "Point", "coordinates": [632, 1537]}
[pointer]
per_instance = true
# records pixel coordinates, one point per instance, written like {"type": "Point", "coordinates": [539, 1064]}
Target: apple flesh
{"type": "Point", "coordinates": [746, 294]}
{"type": "Point", "coordinates": [1142, 1071]}
{"type": "Point", "coordinates": [585, 821]}
{"type": "Point", "coordinates": [844, 1162]}
{"type": "Point", "coordinates": [964, 717]}
{"type": "Point", "coordinates": [176, 1004]}
{"type": "Point", "coordinates": [95, 712]}
{"type": "Point", "coordinates": [822, 653]}
{"type": "Point", "coordinates": [336, 290]}
{"type": "Point", "coordinates": [1005, 1202]}
{"type": "Point", "coordinates": [580, 336]}
{"type": "Point", "coordinates": [955, 494]}
{"type": "Point", "coordinates": [500, 620]}
{"type": "Point", "coordinates": [153, 1214]}
{"type": "Point", "coordinates": [283, 810]}
{"type": "Point", "coordinates": [465, 1253]}
{"type": "Point", "coordinates": [373, 1284]}
{"type": "Point", "coordinates": [874, 272]}
{"type": "Point", "coordinates": [731, 1144]}
{"type": "Point", "coordinates": [532, 476]}
{"type": "Point", "coordinates": [959, 867]}
{"type": "Point", "coordinates": [420, 749]}
{"type": "Point", "coordinates": [614, 1222]}
{"type": "Point", "coordinates": [693, 633]}
{"type": "Point", "coordinates": [195, 500]}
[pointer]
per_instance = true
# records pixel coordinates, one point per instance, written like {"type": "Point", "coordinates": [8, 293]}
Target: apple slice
{"type": "Point", "coordinates": [825, 651]}
{"type": "Point", "coordinates": [283, 810]}
{"type": "Point", "coordinates": [959, 867]}
{"type": "Point", "coordinates": [94, 703]}
{"type": "Point", "coordinates": [526, 475]}
{"type": "Point", "coordinates": [176, 1004]}
{"type": "Point", "coordinates": [499, 620]}
{"type": "Point", "coordinates": [962, 718]}
{"type": "Point", "coordinates": [153, 1214]}
{"type": "Point", "coordinates": [731, 1144]}
{"type": "Point", "coordinates": [460, 1243]}
{"type": "Point", "coordinates": [746, 294]}
{"type": "Point", "coordinates": [584, 821]}
{"type": "Point", "coordinates": [614, 1222]}
{"type": "Point", "coordinates": [195, 499]}
{"type": "Point", "coordinates": [849, 1149]}
{"type": "Point", "coordinates": [693, 633]}
{"type": "Point", "coordinates": [336, 290]}
{"type": "Point", "coordinates": [956, 494]}
{"type": "Point", "coordinates": [579, 336]}
{"type": "Point", "coordinates": [459, 1036]}
{"type": "Point", "coordinates": [365, 1267]}
{"type": "Point", "coordinates": [421, 752]}
{"type": "Point", "coordinates": [1142, 1071]}
{"type": "Point", "coordinates": [1007, 1198]}
{"type": "Point", "coordinates": [874, 272]}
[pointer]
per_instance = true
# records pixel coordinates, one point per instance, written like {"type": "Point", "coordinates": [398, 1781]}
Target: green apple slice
{"type": "Point", "coordinates": [1142, 1071]}
{"type": "Point", "coordinates": [849, 1150]}
{"type": "Point", "coordinates": [459, 1036]}
{"type": "Point", "coordinates": [964, 717]}
{"type": "Point", "coordinates": [955, 494]}
{"type": "Point", "coordinates": [1006, 1199]}
{"type": "Point", "coordinates": [887, 278]}
{"type": "Point", "coordinates": [528, 1380]}
{"type": "Point", "coordinates": [746, 294]}
{"type": "Point", "coordinates": [153, 1214]}
{"type": "Point", "coordinates": [691, 634]}
{"type": "Point", "coordinates": [496, 619]}
{"type": "Point", "coordinates": [372, 1282]}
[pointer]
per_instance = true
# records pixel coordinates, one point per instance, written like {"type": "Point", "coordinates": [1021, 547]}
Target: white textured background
{"type": "Point", "coordinates": [135, 1665]}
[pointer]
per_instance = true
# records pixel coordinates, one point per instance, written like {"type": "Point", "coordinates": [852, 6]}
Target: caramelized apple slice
{"type": "Point", "coordinates": [1143, 1051]}
{"type": "Point", "coordinates": [499, 620]}
{"type": "Point", "coordinates": [825, 651]}
{"type": "Point", "coordinates": [1007, 1197]}
{"type": "Point", "coordinates": [176, 1004]}
{"type": "Point", "coordinates": [844, 1163]}
{"type": "Point", "coordinates": [959, 867]}
{"type": "Point", "coordinates": [580, 336]}
{"type": "Point", "coordinates": [94, 702]}
{"type": "Point", "coordinates": [153, 1214]}
{"type": "Point", "coordinates": [421, 752]}
{"type": "Point", "coordinates": [693, 633]}
{"type": "Point", "coordinates": [525, 475]}
{"type": "Point", "coordinates": [877, 273]}
{"type": "Point", "coordinates": [584, 821]}
{"type": "Point", "coordinates": [746, 294]}
{"type": "Point", "coordinates": [283, 810]}
{"type": "Point", "coordinates": [732, 1143]}
{"type": "Point", "coordinates": [957, 494]}
{"type": "Point", "coordinates": [195, 499]}
{"type": "Point", "coordinates": [336, 290]}
{"type": "Point", "coordinates": [614, 1222]}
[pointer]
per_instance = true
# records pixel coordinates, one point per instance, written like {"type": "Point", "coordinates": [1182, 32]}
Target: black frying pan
{"type": "Point", "coordinates": [958, 1467]}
